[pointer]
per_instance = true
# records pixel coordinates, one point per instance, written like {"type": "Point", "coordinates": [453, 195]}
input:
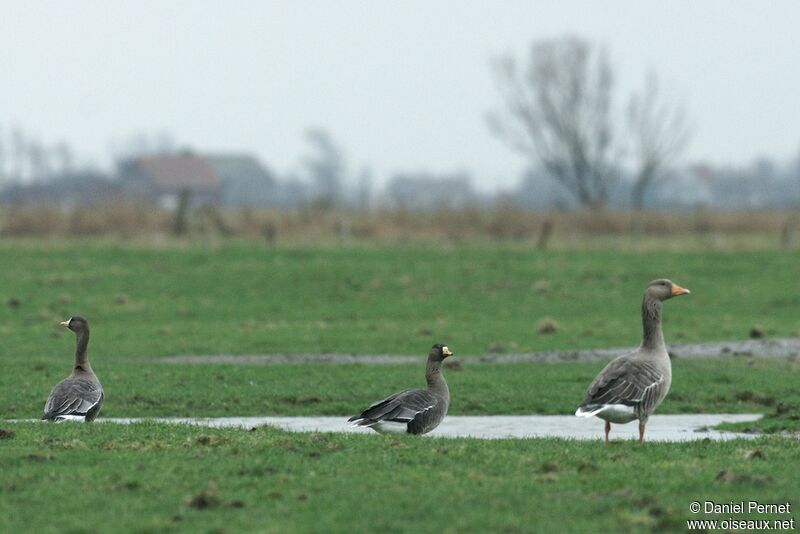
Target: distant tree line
{"type": "Point", "coordinates": [25, 157]}
{"type": "Point", "coordinates": [32, 171]}
{"type": "Point", "coordinates": [585, 146]}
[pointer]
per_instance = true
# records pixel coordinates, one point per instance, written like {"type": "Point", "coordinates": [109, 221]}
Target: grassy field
{"type": "Point", "coordinates": [148, 302]}
{"type": "Point", "coordinates": [721, 386]}
{"type": "Point", "coordinates": [145, 302]}
{"type": "Point", "coordinates": [158, 478]}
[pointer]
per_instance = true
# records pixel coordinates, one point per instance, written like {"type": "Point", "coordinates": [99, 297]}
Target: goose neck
{"type": "Point", "coordinates": [652, 336]}
{"type": "Point", "coordinates": [81, 356]}
{"type": "Point", "coordinates": [435, 378]}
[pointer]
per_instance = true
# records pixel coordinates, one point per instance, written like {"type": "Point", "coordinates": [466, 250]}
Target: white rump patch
{"type": "Point", "coordinates": [387, 427]}
{"type": "Point", "coordinates": [75, 418]}
{"type": "Point", "coordinates": [613, 413]}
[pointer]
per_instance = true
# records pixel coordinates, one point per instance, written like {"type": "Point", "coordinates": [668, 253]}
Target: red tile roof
{"type": "Point", "coordinates": [180, 171]}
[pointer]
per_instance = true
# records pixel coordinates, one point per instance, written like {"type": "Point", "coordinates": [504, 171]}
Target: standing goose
{"type": "Point", "coordinates": [415, 411]}
{"type": "Point", "coordinates": [79, 396]}
{"type": "Point", "coordinates": [634, 384]}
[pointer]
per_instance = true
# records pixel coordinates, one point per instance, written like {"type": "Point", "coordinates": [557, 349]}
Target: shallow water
{"type": "Point", "coordinates": [671, 428]}
{"type": "Point", "coordinates": [756, 348]}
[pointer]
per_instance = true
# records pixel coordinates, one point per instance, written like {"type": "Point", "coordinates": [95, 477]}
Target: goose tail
{"type": "Point", "coordinates": [589, 410]}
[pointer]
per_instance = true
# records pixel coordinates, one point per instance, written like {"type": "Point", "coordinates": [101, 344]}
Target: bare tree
{"type": "Point", "coordinates": [363, 195]}
{"type": "Point", "coordinates": [19, 148]}
{"type": "Point", "coordinates": [797, 172]}
{"type": "Point", "coordinates": [65, 157]}
{"type": "Point", "coordinates": [3, 158]}
{"type": "Point", "coordinates": [326, 168]}
{"type": "Point", "coordinates": [38, 160]}
{"type": "Point", "coordinates": [558, 112]}
{"type": "Point", "coordinates": [659, 132]}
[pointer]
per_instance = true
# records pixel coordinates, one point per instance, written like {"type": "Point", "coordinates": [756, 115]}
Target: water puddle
{"type": "Point", "coordinates": [669, 428]}
{"type": "Point", "coordinates": [756, 348]}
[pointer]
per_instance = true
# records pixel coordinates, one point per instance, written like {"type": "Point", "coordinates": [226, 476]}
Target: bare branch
{"type": "Point", "coordinates": [659, 132]}
{"type": "Point", "coordinates": [558, 113]}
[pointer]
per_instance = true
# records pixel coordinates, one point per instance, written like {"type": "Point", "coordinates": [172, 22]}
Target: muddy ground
{"type": "Point", "coordinates": [757, 348]}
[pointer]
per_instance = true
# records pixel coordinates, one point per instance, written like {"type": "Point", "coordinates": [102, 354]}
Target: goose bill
{"type": "Point", "coordinates": [678, 290]}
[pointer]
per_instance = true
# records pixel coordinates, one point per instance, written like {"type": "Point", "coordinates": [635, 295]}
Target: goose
{"type": "Point", "coordinates": [632, 386]}
{"type": "Point", "coordinates": [79, 396]}
{"type": "Point", "coordinates": [413, 411]}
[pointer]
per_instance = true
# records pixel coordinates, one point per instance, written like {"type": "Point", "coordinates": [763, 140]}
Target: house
{"type": "Point", "coordinates": [164, 178]}
{"type": "Point", "coordinates": [245, 182]}
{"type": "Point", "coordinates": [220, 180]}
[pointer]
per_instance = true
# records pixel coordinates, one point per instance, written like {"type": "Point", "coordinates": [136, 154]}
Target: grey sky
{"type": "Point", "coordinates": [400, 85]}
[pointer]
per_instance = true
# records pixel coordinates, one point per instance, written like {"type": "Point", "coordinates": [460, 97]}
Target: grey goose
{"type": "Point", "coordinates": [632, 386]}
{"type": "Point", "coordinates": [79, 396]}
{"type": "Point", "coordinates": [414, 411]}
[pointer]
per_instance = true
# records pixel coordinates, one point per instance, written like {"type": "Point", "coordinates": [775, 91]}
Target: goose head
{"type": "Point", "coordinates": [439, 352]}
{"type": "Point", "coordinates": [76, 323]}
{"type": "Point", "coordinates": [663, 289]}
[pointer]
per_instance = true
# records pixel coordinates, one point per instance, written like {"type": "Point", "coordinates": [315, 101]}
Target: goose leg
{"type": "Point", "coordinates": [641, 432]}
{"type": "Point", "coordinates": [608, 429]}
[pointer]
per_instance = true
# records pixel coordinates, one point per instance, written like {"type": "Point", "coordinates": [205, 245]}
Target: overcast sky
{"type": "Point", "coordinates": [400, 85]}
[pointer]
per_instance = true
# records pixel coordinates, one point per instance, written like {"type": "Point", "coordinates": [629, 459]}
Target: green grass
{"type": "Point", "coordinates": [238, 299]}
{"type": "Point", "coordinates": [147, 302]}
{"type": "Point", "coordinates": [143, 303]}
{"type": "Point", "coordinates": [159, 478]}
{"type": "Point", "coordinates": [728, 385]}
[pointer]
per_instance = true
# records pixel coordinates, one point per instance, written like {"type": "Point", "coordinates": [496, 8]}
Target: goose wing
{"type": "Point", "coordinates": [401, 407]}
{"type": "Point", "coordinates": [626, 380]}
{"type": "Point", "coordinates": [73, 396]}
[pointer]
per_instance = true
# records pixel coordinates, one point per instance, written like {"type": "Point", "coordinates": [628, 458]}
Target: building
{"type": "Point", "coordinates": [245, 182]}
{"type": "Point", "coordinates": [234, 180]}
{"type": "Point", "coordinates": [164, 178]}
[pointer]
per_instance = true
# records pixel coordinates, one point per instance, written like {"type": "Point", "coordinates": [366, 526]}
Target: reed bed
{"type": "Point", "coordinates": [541, 229]}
